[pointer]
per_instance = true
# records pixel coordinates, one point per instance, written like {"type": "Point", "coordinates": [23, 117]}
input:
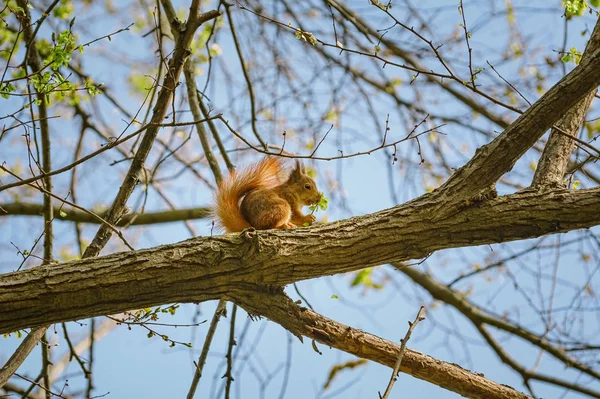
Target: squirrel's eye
{"type": "Point", "coordinates": [307, 186]}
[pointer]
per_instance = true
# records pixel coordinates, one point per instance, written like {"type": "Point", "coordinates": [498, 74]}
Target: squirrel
{"type": "Point", "coordinates": [267, 200]}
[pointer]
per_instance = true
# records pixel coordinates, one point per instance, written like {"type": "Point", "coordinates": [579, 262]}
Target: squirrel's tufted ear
{"type": "Point", "coordinates": [300, 169]}
{"type": "Point", "coordinates": [297, 171]}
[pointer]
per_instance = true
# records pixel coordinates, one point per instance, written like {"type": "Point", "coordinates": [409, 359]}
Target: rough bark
{"type": "Point", "coordinates": [302, 321]}
{"type": "Point", "coordinates": [492, 160]}
{"type": "Point", "coordinates": [213, 267]}
{"type": "Point", "coordinates": [555, 158]}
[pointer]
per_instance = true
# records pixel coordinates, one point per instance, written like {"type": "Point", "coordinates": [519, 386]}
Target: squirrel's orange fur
{"type": "Point", "coordinates": [266, 201]}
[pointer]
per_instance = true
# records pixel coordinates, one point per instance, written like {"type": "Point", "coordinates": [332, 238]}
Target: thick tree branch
{"type": "Point", "coordinates": [553, 162]}
{"type": "Point", "coordinates": [133, 219]}
{"type": "Point", "coordinates": [492, 160]}
{"type": "Point", "coordinates": [212, 267]}
{"type": "Point", "coordinates": [304, 322]}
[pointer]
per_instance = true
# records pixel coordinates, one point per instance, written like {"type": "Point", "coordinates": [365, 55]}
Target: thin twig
{"type": "Point", "coordinates": [101, 150]}
{"type": "Point", "coordinates": [409, 136]}
{"type": "Point", "coordinates": [102, 221]}
{"type": "Point", "coordinates": [510, 84]}
{"type": "Point", "coordinates": [48, 392]}
{"type": "Point", "coordinates": [411, 327]}
{"type": "Point", "coordinates": [72, 352]}
{"type": "Point", "coordinates": [461, 10]}
{"type": "Point", "coordinates": [230, 346]}
{"type": "Point", "coordinates": [246, 76]}
{"type": "Point", "coordinates": [207, 342]}
{"type": "Point", "coordinates": [45, 367]}
{"type": "Point", "coordinates": [90, 385]}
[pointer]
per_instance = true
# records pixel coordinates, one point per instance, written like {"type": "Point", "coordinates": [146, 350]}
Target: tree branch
{"type": "Point", "coordinates": [20, 354]}
{"type": "Point", "coordinates": [190, 84]}
{"type": "Point", "coordinates": [205, 268]}
{"type": "Point", "coordinates": [171, 80]}
{"type": "Point", "coordinates": [304, 322]}
{"type": "Point", "coordinates": [553, 162]}
{"type": "Point", "coordinates": [479, 316]}
{"type": "Point", "coordinates": [530, 375]}
{"type": "Point", "coordinates": [492, 160]}
{"type": "Point", "coordinates": [133, 219]}
{"type": "Point", "coordinates": [411, 327]}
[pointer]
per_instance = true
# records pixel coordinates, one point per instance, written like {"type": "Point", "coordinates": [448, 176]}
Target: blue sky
{"type": "Point", "coordinates": [129, 364]}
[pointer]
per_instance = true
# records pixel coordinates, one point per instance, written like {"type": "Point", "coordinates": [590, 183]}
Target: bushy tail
{"type": "Point", "coordinates": [263, 174]}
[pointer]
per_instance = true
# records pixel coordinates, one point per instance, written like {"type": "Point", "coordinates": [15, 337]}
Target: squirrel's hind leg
{"type": "Point", "coordinates": [277, 217]}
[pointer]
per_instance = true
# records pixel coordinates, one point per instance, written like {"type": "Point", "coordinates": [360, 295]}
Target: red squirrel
{"type": "Point", "coordinates": [267, 201]}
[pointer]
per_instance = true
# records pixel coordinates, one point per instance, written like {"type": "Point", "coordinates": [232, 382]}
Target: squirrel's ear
{"type": "Point", "coordinates": [297, 171]}
{"type": "Point", "coordinates": [300, 169]}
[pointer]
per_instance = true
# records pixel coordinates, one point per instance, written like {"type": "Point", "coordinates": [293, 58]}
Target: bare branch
{"type": "Point", "coordinates": [132, 219]}
{"type": "Point", "coordinates": [411, 327]}
{"type": "Point", "coordinates": [14, 362]}
{"type": "Point", "coordinates": [304, 322]}
{"type": "Point", "coordinates": [207, 342]}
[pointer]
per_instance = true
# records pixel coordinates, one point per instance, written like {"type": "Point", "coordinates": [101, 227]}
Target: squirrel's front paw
{"type": "Point", "coordinates": [310, 219]}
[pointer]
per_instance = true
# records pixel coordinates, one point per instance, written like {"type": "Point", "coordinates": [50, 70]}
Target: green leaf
{"type": "Point", "coordinates": [574, 8]}
{"type": "Point", "coordinates": [323, 203]}
{"type": "Point", "coordinates": [63, 214]}
{"type": "Point", "coordinates": [64, 10]}
{"type": "Point", "coordinates": [6, 89]}
{"type": "Point", "coordinates": [363, 277]}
